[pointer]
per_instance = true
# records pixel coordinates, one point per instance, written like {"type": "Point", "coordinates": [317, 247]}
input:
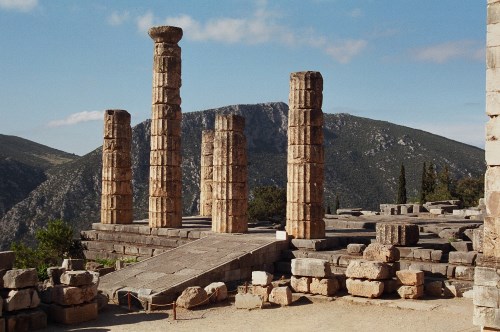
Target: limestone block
{"type": "Point", "coordinates": [248, 301]}
{"type": "Point", "coordinates": [364, 288]}
{"type": "Point", "coordinates": [492, 78]}
{"type": "Point", "coordinates": [233, 191]}
{"type": "Point", "coordinates": [7, 259]}
{"type": "Point", "coordinates": [304, 211]}
{"type": "Point", "coordinates": [492, 153]}
{"type": "Point", "coordinates": [311, 267]}
{"type": "Point", "coordinates": [216, 291]}
{"type": "Point", "coordinates": [486, 276]}
{"type": "Point", "coordinates": [300, 284]}
{"type": "Point", "coordinates": [462, 257]}
{"type": "Point", "coordinates": [324, 286]}
{"type": "Point", "coordinates": [165, 95]}
{"type": "Point", "coordinates": [21, 299]}
{"type": "Point", "coordinates": [477, 239]}
{"type": "Point", "coordinates": [434, 288]}
{"type": "Point", "coordinates": [262, 291]}
{"type": "Point", "coordinates": [171, 79]}
{"type": "Point", "coordinates": [225, 174]}
{"type": "Point", "coordinates": [411, 292]}
{"type": "Point", "coordinates": [368, 270]}
{"type": "Point", "coordinates": [116, 174]}
{"type": "Point", "coordinates": [166, 111]}
{"type": "Point", "coordinates": [76, 278]}
{"type": "Point", "coordinates": [391, 286]}
{"type": "Point", "coordinates": [486, 296]}
{"type": "Point", "coordinates": [305, 173]}
{"type": "Point", "coordinates": [299, 193]}
{"type": "Point", "coordinates": [397, 234]}
{"type": "Point", "coordinates": [192, 297]}
{"type": "Point", "coordinates": [230, 122]}
{"type": "Point", "coordinates": [20, 278]}
{"type": "Point", "coordinates": [167, 64]}
{"type": "Point", "coordinates": [117, 131]}
{"type": "Point", "coordinates": [281, 296]}
{"type": "Point", "coordinates": [111, 216]}
{"type": "Point", "coordinates": [116, 202]}
{"type": "Point", "coordinates": [305, 99]}
{"type": "Point", "coordinates": [464, 272]}
{"type": "Point", "coordinates": [305, 135]}
{"type": "Point", "coordinates": [314, 228]}
{"type": "Point", "coordinates": [164, 204]}
{"type": "Point", "coordinates": [67, 295]}
{"type": "Point", "coordinates": [261, 278]}
{"type": "Point", "coordinates": [73, 314]}
{"type": "Point", "coordinates": [410, 277]}
{"type": "Point", "coordinates": [493, 102]}
{"type": "Point", "coordinates": [381, 252]}
{"type": "Point", "coordinates": [493, 15]}
{"type": "Point", "coordinates": [484, 316]}
{"type": "Point", "coordinates": [24, 321]}
{"type": "Point", "coordinates": [116, 159]}
{"type": "Point", "coordinates": [306, 80]}
{"type": "Point", "coordinates": [305, 117]}
{"type": "Point", "coordinates": [299, 154]}
{"type": "Point", "coordinates": [355, 248]}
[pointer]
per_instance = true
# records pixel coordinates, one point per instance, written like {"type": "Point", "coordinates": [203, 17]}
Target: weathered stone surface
{"type": "Point", "coordinates": [20, 278]}
{"type": "Point", "coordinates": [67, 295]}
{"type": "Point", "coordinates": [216, 291]}
{"type": "Point", "coordinates": [355, 248]}
{"type": "Point", "coordinates": [461, 257]}
{"type": "Point", "coordinates": [262, 291]}
{"type": "Point", "coordinates": [261, 278]}
{"type": "Point", "coordinates": [477, 239]}
{"type": "Point", "coordinates": [410, 277]}
{"type": "Point", "coordinates": [54, 274]}
{"type": "Point", "coordinates": [21, 299]}
{"type": "Point", "coordinates": [73, 264]}
{"type": "Point", "coordinates": [397, 234]}
{"type": "Point", "coordinates": [411, 292]}
{"type": "Point", "coordinates": [391, 286]}
{"type": "Point", "coordinates": [368, 270]}
{"type": "Point", "coordinates": [464, 272]}
{"type": "Point", "coordinates": [73, 314]}
{"type": "Point", "coordinates": [300, 284]}
{"type": "Point", "coordinates": [76, 278]}
{"type": "Point", "coordinates": [248, 301]}
{"type": "Point", "coordinates": [192, 297]}
{"type": "Point", "coordinates": [381, 252]}
{"type": "Point", "coordinates": [364, 288]}
{"type": "Point", "coordinates": [24, 321]}
{"type": "Point", "coordinates": [206, 176]}
{"type": "Point", "coordinates": [486, 276]}
{"type": "Point", "coordinates": [324, 286]}
{"type": "Point", "coordinates": [7, 259]}
{"type": "Point", "coordinates": [281, 296]}
{"type": "Point", "coordinates": [486, 296]}
{"type": "Point", "coordinates": [311, 267]}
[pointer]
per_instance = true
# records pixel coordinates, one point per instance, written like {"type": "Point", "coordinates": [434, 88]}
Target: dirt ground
{"type": "Point", "coordinates": [343, 314]}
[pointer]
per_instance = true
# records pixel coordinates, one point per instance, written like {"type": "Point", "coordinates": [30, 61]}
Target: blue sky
{"type": "Point", "coordinates": [415, 63]}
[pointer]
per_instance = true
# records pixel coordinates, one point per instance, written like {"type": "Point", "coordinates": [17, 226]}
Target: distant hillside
{"type": "Point", "coordinates": [362, 157]}
{"type": "Point", "coordinates": [23, 167]}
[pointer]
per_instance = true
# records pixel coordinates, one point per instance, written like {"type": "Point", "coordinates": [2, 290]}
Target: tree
{"type": "Point", "coordinates": [401, 199]}
{"type": "Point", "coordinates": [336, 206]}
{"type": "Point", "coordinates": [469, 190]}
{"type": "Point", "coordinates": [268, 203]}
{"type": "Point", "coordinates": [328, 211]}
{"type": "Point", "coordinates": [423, 184]}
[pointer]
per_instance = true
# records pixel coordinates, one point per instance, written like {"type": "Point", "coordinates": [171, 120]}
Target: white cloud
{"type": "Point", "coordinates": [117, 18]}
{"type": "Point", "coordinates": [345, 51]}
{"type": "Point", "coordinates": [75, 118]}
{"type": "Point", "coordinates": [20, 5]}
{"type": "Point", "coordinates": [441, 53]}
{"type": "Point", "coordinates": [144, 22]}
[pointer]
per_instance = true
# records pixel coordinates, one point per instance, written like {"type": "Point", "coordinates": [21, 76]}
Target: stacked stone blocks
{"type": "Point", "coordinates": [207, 172]}
{"type": "Point", "coordinates": [230, 192]}
{"type": "Point", "coordinates": [165, 178]}
{"type": "Point", "coordinates": [314, 276]}
{"type": "Point", "coordinates": [398, 234]}
{"type": "Point", "coordinates": [116, 198]}
{"type": "Point", "coordinates": [304, 212]}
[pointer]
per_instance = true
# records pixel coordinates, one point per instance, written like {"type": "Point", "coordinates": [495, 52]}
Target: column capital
{"type": "Point", "coordinates": [165, 34]}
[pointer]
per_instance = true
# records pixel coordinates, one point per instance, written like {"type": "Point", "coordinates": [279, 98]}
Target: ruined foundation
{"type": "Point", "coordinates": [304, 211]}
{"type": "Point", "coordinates": [207, 172]}
{"type": "Point", "coordinates": [165, 178]}
{"type": "Point", "coordinates": [230, 193]}
{"type": "Point", "coordinates": [116, 197]}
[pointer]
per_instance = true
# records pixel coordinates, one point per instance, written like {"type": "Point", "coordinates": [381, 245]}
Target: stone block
{"type": "Point", "coordinates": [192, 297]}
{"type": "Point", "coordinates": [7, 259]}
{"type": "Point", "coordinates": [67, 295]}
{"type": "Point", "coordinates": [368, 270]}
{"type": "Point", "coordinates": [462, 245]}
{"type": "Point", "coordinates": [464, 272]}
{"type": "Point", "coordinates": [20, 278]}
{"type": "Point", "coordinates": [261, 278]}
{"type": "Point", "coordinates": [311, 267]}
{"type": "Point", "coordinates": [486, 276]}
{"type": "Point", "coordinates": [410, 277]}
{"type": "Point", "coordinates": [381, 252]}
{"type": "Point", "coordinates": [300, 284]}
{"type": "Point", "coordinates": [423, 254]}
{"type": "Point", "coordinates": [248, 301]}
{"type": "Point", "coordinates": [434, 288]}
{"type": "Point", "coordinates": [364, 288]}
{"type": "Point", "coordinates": [436, 255]}
{"type": "Point", "coordinates": [455, 288]}
{"type": "Point", "coordinates": [324, 286]}
{"type": "Point", "coordinates": [492, 151]}
{"type": "Point", "coordinates": [477, 239]}
{"type": "Point", "coordinates": [262, 291]}
{"type": "Point", "coordinates": [54, 274]}
{"type": "Point", "coordinates": [411, 292]}
{"type": "Point", "coordinates": [73, 314]}
{"type": "Point", "coordinates": [486, 296]}
{"type": "Point", "coordinates": [216, 291]}
{"type": "Point", "coordinates": [21, 299]}
{"type": "Point", "coordinates": [281, 296]}
{"type": "Point", "coordinates": [355, 248]}
{"type": "Point", "coordinates": [76, 278]}
{"type": "Point", "coordinates": [462, 257]}
{"type": "Point", "coordinates": [24, 321]}
{"type": "Point", "coordinates": [484, 316]}
{"type": "Point", "coordinates": [397, 234]}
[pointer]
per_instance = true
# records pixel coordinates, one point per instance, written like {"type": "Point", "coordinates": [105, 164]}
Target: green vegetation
{"type": "Point", "coordinates": [268, 203]}
{"type": "Point", "coordinates": [336, 206]}
{"type": "Point", "coordinates": [401, 199]}
{"type": "Point", "coordinates": [54, 243]}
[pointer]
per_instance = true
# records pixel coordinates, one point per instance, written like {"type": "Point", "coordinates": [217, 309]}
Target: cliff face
{"type": "Point", "coordinates": [362, 158]}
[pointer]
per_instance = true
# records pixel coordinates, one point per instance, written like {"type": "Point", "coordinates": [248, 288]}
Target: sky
{"type": "Point", "coordinates": [416, 63]}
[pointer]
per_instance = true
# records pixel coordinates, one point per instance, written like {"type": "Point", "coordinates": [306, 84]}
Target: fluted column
{"type": "Point", "coordinates": [165, 178]}
{"type": "Point", "coordinates": [206, 172]}
{"type": "Point", "coordinates": [304, 210]}
{"type": "Point", "coordinates": [230, 192]}
{"type": "Point", "coordinates": [116, 197]}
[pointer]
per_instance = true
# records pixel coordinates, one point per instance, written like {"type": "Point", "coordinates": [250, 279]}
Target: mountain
{"type": "Point", "coordinates": [362, 157]}
{"type": "Point", "coordinates": [24, 165]}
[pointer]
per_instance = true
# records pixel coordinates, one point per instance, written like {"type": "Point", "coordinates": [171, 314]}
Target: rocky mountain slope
{"type": "Point", "coordinates": [362, 158]}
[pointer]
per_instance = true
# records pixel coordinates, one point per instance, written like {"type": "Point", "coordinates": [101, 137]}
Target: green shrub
{"type": "Point", "coordinates": [268, 203]}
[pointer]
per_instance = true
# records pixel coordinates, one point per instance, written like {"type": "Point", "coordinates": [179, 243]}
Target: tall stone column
{"type": "Point", "coordinates": [304, 207]}
{"type": "Point", "coordinates": [116, 197]}
{"type": "Point", "coordinates": [207, 172]}
{"type": "Point", "coordinates": [487, 276]}
{"type": "Point", "coordinates": [165, 178]}
{"type": "Point", "coordinates": [230, 192]}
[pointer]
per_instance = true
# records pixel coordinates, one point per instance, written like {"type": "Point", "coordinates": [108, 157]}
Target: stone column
{"type": "Point", "coordinates": [116, 197]}
{"type": "Point", "coordinates": [486, 276]}
{"type": "Point", "coordinates": [207, 172]}
{"type": "Point", "coordinates": [165, 176]}
{"type": "Point", "coordinates": [304, 207]}
{"type": "Point", "coordinates": [230, 193]}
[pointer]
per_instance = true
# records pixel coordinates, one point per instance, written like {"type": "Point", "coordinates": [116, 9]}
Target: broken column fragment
{"type": "Point", "coordinates": [207, 172]}
{"type": "Point", "coordinates": [304, 211]}
{"type": "Point", "coordinates": [165, 178]}
{"type": "Point", "coordinates": [116, 197]}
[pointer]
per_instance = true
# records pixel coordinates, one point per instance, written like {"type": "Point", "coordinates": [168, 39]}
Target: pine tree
{"type": "Point", "coordinates": [336, 206]}
{"type": "Point", "coordinates": [423, 184]}
{"type": "Point", "coordinates": [401, 199]}
{"type": "Point", "coordinates": [430, 179]}
{"type": "Point", "coordinates": [328, 211]}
